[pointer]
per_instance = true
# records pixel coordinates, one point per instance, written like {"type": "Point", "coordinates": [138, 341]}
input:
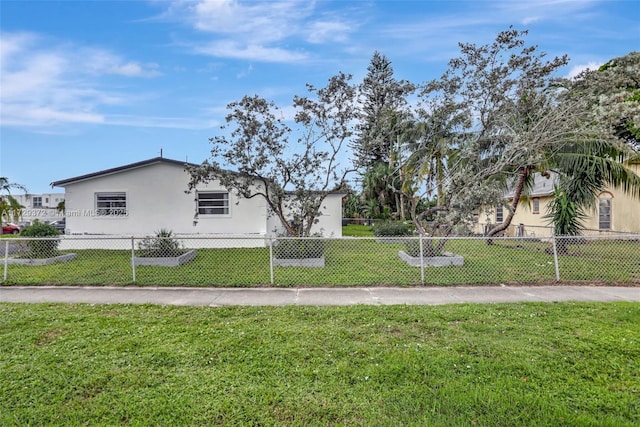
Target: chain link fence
{"type": "Point", "coordinates": [262, 261]}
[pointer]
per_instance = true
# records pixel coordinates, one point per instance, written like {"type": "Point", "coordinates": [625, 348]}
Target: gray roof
{"type": "Point", "coordinates": [63, 182]}
{"type": "Point", "coordinates": [542, 186]}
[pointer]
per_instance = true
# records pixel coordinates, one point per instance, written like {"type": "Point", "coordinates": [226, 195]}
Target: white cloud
{"type": "Point", "coordinates": [29, 115]}
{"type": "Point", "coordinates": [231, 49]}
{"type": "Point", "coordinates": [530, 19]}
{"type": "Point", "coordinates": [533, 11]}
{"type": "Point", "coordinates": [577, 69]}
{"type": "Point", "coordinates": [245, 73]}
{"type": "Point", "coordinates": [98, 61]}
{"type": "Point", "coordinates": [264, 21]}
{"type": "Point", "coordinates": [47, 83]}
{"type": "Point", "coordinates": [259, 31]}
{"type": "Point", "coordinates": [12, 43]}
{"type": "Point", "coordinates": [186, 123]}
{"type": "Point", "coordinates": [328, 31]}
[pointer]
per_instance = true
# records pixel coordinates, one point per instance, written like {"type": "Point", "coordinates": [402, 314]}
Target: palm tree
{"type": "Point", "coordinates": [430, 155]}
{"type": "Point", "coordinates": [371, 209]}
{"type": "Point", "coordinates": [567, 218]}
{"type": "Point", "coordinates": [10, 208]}
{"type": "Point", "coordinates": [377, 183]}
{"type": "Point", "coordinates": [588, 168]}
{"type": "Point", "coordinates": [6, 186]}
{"type": "Point", "coordinates": [611, 95]}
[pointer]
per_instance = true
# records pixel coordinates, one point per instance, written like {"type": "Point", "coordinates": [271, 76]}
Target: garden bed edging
{"type": "Point", "coordinates": [445, 260]}
{"type": "Point", "coordinates": [42, 261]}
{"type": "Point", "coordinates": [165, 261]}
{"type": "Point", "coordinates": [299, 262]}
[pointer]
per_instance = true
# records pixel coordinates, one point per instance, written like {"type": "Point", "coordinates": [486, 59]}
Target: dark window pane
{"type": "Point", "coordinates": [604, 214]}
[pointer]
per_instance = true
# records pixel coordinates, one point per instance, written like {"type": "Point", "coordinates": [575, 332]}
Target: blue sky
{"type": "Point", "coordinates": [89, 85]}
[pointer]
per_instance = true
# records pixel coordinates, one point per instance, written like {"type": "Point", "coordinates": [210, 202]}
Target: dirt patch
{"type": "Point", "coordinates": [49, 336]}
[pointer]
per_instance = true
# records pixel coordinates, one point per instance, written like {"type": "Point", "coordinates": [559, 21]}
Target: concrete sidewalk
{"type": "Point", "coordinates": [314, 296]}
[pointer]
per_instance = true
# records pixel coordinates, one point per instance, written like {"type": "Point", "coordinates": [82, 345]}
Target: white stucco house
{"type": "Point", "coordinates": [141, 198]}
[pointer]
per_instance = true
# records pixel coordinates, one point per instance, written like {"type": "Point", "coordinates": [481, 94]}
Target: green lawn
{"type": "Point", "coordinates": [9, 236]}
{"type": "Point", "coordinates": [357, 230]}
{"type": "Point", "coordinates": [351, 262]}
{"type": "Point", "coordinates": [571, 364]}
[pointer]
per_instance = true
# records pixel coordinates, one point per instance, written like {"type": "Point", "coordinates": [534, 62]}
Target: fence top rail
{"type": "Point", "coordinates": [627, 236]}
{"type": "Point", "coordinates": [363, 238]}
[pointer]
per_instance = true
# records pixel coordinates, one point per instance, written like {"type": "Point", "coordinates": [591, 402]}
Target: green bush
{"type": "Point", "coordinates": [311, 247]}
{"type": "Point", "coordinates": [45, 248]}
{"type": "Point", "coordinates": [160, 246]}
{"type": "Point", "coordinates": [392, 228]}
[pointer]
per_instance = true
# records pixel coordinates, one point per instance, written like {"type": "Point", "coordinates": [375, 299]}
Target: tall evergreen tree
{"type": "Point", "coordinates": [384, 108]}
{"type": "Point", "coordinates": [381, 118]}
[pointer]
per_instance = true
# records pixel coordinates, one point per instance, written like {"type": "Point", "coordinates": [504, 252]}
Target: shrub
{"type": "Point", "coordinates": [392, 228]}
{"type": "Point", "coordinates": [160, 246]}
{"type": "Point", "coordinates": [45, 248]}
{"type": "Point", "coordinates": [309, 247]}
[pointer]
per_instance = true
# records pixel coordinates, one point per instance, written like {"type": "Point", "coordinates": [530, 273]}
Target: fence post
{"type": "Point", "coordinates": [271, 259]}
{"type": "Point", "coordinates": [421, 262]}
{"type": "Point", "coordinates": [6, 260]}
{"type": "Point", "coordinates": [555, 256]}
{"type": "Point", "coordinates": [133, 259]}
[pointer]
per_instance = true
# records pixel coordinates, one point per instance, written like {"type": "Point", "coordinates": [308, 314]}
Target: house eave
{"type": "Point", "coordinates": [110, 171]}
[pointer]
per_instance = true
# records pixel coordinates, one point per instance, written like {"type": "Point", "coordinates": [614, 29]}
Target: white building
{"type": "Point", "coordinates": [141, 198]}
{"type": "Point", "coordinates": [42, 207]}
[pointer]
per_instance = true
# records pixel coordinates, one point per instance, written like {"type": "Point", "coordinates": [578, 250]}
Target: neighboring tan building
{"type": "Point", "coordinates": [614, 212]}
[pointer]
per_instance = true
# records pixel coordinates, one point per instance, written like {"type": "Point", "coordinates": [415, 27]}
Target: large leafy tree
{"type": "Point", "coordinates": [487, 109]}
{"type": "Point", "coordinates": [613, 92]}
{"type": "Point", "coordinates": [501, 116]}
{"type": "Point", "coordinates": [10, 208]}
{"type": "Point", "coordinates": [293, 170]}
{"type": "Point", "coordinates": [504, 88]}
{"type": "Point", "coordinates": [523, 123]}
{"type": "Point", "coordinates": [611, 97]}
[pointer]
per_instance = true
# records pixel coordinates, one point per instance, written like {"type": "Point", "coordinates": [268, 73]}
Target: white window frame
{"type": "Point", "coordinates": [111, 204]}
{"type": "Point", "coordinates": [37, 201]}
{"type": "Point", "coordinates": [213, 207]}
{"type": "Point", "coordinates": [604, 224]}
{"type": "Point", "coordinates": [536, 205]}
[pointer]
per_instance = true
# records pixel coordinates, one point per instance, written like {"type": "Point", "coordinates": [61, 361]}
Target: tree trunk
{"type": "Point", "coordinates": [522, 178]}
{"type": "Point", "coordinates": [403, 213]}
{"type": "Point", "coordinates": [439, 181]}
{"type": "Point", "coordinates": [414, 217]}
